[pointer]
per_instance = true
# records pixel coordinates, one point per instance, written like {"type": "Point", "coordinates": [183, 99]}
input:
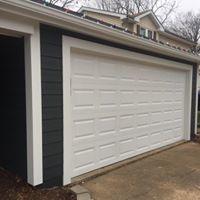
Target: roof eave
{"type": "Point", "coordinates": [177, 38]}
{"type": "Point", "coordinates": [60, 19]}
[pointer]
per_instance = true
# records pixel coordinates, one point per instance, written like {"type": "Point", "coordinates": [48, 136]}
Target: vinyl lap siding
{"type": "Point", "coordinates": [52, 104]}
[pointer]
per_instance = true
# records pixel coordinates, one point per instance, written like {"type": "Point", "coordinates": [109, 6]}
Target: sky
{"type": "Point", "coordinates": [186, 5]}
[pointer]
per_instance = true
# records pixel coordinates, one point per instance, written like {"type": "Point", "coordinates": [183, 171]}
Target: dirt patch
{"type": "Point", "coordinates": [197, 137]}
{"type": "Point", "coordinates": [14, 188]}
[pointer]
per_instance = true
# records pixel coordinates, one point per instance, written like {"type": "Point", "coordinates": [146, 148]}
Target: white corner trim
{"type": "Point", "coordinates": [66, 112]}
{"type": "Point", "coordinates": [70, 44]}
{"type": "Point", "coordinates": [33, 108]}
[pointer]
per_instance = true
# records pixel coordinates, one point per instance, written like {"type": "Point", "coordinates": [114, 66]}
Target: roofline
{"type": "Point", "coordinates": [56, 18]}
{"type": "Point", "coordinates": [138, 17]}
{"type": "Point", "coordinates": [177, 37]}
{"type": "Point", "coordinates": [84, 8]}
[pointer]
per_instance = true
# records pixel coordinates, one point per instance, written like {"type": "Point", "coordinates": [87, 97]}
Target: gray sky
{"type": "Point", "coordinates": [186, 5]}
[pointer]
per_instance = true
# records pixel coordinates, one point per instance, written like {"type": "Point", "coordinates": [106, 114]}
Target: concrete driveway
{"type": "Point", "coordinates": [168, 175]}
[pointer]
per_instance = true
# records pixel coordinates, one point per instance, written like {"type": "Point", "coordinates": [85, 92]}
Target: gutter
{"type": "Point", "coordinates": [50, 16]}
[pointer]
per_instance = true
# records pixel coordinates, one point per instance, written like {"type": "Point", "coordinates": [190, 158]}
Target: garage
{"type": "Point", "coordinates": [120, 104]}
{"type": "Point", "coordinates": [80, 94]}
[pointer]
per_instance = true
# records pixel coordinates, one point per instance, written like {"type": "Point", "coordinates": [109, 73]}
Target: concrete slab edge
{"type": "Point", "coordinates": [81, 192]}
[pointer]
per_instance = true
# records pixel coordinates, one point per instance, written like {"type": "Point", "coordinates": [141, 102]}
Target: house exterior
{"type": "Point", "coordinates": [145, 24]}
{"type": "Point", "coordinates": [81, 94]}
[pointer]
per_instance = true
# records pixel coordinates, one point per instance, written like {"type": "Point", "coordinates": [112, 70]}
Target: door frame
{"type": "Point", "coordinates": [16, 26]}
{"type": "Point", "coordinates": [69, 44]}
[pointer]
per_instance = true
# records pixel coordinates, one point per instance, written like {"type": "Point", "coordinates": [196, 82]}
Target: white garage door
{"type": "Point", "coordinates": [120, 109]}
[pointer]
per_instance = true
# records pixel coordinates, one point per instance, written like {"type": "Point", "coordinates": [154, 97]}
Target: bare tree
{"type": "Point", "coordinates": [162, 8]}
{"type": "Point", "coordinates": [188, 26]}
{"type": "Point", "coordinates": [61, 3]}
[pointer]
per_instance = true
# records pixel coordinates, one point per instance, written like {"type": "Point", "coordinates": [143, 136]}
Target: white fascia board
{"type": "Point", "coordinates": [16, 24]}
{"type": "Point", "coordinates": [63, 20]}
{"type": "Point", "coordinates": [142, 15]}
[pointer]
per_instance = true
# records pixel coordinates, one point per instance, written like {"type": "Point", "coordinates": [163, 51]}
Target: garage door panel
{"type": "Point", "coordinates": [143, 96]}
{"type": "Point", "coordinates": [126, 121]}
{"type": "Point", "coordinates": [107, 124]}
{"type": "Point", "coordinates": [168, 136]}
{"type": "Point", "coordinates": [156, 127]}
{"type": "Point", "coordinates": [128, 71]}
{"type": "Point", "coordinates": [126, 98]}
{"type": "Point", "coordinates": [126, 134]}
{"type": "Point", "coordinates": [82, 65]}
{"type": "Point", "coordinates": [156, 138]}
{"type": "Point", "coordinates": [142, 119]}
{"type": "Point", "coordinates": [108, 70]}
{"type": "Point", "coordinates": [107, 151]}
{"type": "Point", "coordinates": [156, 117]}
{"type": "Point", "coordinates": [108, 98]}
{"type": "Point", "coordinates": [83, 158]}
{"type": "Point", "coordinates": [121, 109]}
{"type": "Point", "coordinates": [127, 147]}
{"type": "Point", "coordinates": [178, 133]}
{"type": "Point", "coordinates": [84, 99]}
{"type": "Point", "coordinates": [156, 96]}
{"type": "Point", "coordinates": [83, 128]}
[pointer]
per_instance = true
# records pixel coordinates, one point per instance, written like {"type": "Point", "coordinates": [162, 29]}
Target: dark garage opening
{"type": "Point", "coordinates": [13, 153]}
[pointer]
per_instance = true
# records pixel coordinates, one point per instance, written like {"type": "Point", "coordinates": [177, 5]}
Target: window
{"type": "Point", "coordinates": [150, 34]}
{"type": "Point", "coordinates": [143, 32]}
{"type": "Point", "coordinates": [146, 33]}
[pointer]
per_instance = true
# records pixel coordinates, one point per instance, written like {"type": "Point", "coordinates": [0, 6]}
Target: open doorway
{"type": "Point", "coordinates": [13, 145]}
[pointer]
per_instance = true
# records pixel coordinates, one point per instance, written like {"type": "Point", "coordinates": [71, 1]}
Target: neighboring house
{"type": "Point", "coordinates": [80, 94]}
{"type": "Point", "coordinates": [144, 24]}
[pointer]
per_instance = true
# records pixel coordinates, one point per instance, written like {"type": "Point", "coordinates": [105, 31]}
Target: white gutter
{"type": "Point", "coordinates": [67, 21]}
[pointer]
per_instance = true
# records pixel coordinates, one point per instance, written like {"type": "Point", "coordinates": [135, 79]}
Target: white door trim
{"type": "Point", "coordinates": [34, 107]}
{"type": "Point", "coordinates": [69, 44]}
{"type": "Point", "coordinates": [14, 25]}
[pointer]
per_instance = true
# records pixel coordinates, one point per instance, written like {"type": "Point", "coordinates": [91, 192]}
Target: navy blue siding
{"type": "Point", "coordinates": [52, 104]}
